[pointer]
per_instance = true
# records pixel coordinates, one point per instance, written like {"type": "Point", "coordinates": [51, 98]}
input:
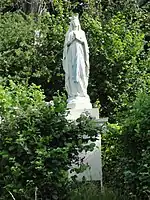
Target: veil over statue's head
{"type": "Point", "coordinates": [75, 24]}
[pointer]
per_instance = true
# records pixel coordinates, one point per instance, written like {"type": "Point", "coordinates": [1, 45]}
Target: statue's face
{"type": "Point", "coordinates": [75, 25]}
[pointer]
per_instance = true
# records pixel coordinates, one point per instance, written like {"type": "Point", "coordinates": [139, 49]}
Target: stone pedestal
{"type": "Point", "coordinates": [93, 162]}
{"type": "Point", "coordinates": [76, 113]}
{"type": "Point", "coordinates": [79, 103]}
{"type": "Point", "coordinates": [92, 159]}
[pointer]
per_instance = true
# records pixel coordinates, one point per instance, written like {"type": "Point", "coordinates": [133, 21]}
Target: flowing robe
{"type": "Point", "coordinates": [76, 64]}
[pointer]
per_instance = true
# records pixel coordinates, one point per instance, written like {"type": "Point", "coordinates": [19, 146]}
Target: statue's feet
{"type": "Point", "coordinates": [79, 103]}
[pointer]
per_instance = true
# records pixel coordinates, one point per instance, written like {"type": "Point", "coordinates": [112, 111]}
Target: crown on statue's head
{"type": "Point", "coordinates": [75, 17]}
{"type": "Point", "coordinates": [75, 21]}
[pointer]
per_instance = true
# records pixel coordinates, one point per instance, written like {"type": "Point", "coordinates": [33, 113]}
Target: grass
{"type": "Point", "coordinates": [91, 191]}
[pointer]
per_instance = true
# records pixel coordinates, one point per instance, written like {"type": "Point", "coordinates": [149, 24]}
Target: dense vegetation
{"type": "Point", "coordinates": [126, 151]}
{"type": "Point", "coordinates": [37, 143]}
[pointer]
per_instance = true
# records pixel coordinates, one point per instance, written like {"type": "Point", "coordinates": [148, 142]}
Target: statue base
{"type": "Point", "coordinates": [79, 103]}
{"type": "Point", "coordinates": [76, 113]}
{"type": "Point", "coordinates": [92, 159]}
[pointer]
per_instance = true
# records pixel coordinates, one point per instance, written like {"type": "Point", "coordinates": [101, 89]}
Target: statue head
{"type": "Point", "coordinates": [75, 24]}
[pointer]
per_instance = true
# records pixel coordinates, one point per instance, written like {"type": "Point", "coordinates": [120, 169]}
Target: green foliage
{"type": "Point", "coordinates": [5, 3]}
{"type": "Point", "coordinates": [115, 48]}
{"type": "Point", "coordinates": [92, 191]}
{"type": "Point", "coordinates": [25, 57]}
{"type": "Point", "coordinates": [126, 151]}
{"type": "Point", "coordinates": [37, 143]}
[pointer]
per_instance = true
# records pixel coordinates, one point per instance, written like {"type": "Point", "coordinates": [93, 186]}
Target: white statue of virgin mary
{"type": "Point", "coordinates": [76, 66]}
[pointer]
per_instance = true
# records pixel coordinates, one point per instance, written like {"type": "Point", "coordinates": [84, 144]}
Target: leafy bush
{"type": "Point", "coordinates": [115, 47]}
{"type": "Point", "coordinates": [126, 151]}
{"type": "Point", "coordinates": [25, 56]}
{"type": "Point", "coordinates": [37, 143]}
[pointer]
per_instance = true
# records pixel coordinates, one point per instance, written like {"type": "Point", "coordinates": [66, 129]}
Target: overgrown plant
{"type": "Point", "coordinates": [37, 143]}
{"type": "Point", "coordinates": [126, 155]}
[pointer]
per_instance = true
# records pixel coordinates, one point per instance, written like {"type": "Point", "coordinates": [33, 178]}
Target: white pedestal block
{"type": "Point", "coordinates": [79, 103]}
{"type": "Point", "coordinates": [75, 113]}
{"type": "Point", "coordinates": [93, 161]}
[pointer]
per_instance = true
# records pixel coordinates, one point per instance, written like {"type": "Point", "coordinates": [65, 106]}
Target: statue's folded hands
{"type": "Point", "coordinates": [77, 35]}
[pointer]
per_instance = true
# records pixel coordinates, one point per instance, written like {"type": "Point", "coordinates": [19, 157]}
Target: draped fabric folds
{"type": "Point", "coordinates": [76, 60]}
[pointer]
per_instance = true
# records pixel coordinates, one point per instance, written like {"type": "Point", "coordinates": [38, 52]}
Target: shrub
{"type": "Point", "coordinates": [37, 143]}
{"type": "Point", "coordinates": [126, 154]}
